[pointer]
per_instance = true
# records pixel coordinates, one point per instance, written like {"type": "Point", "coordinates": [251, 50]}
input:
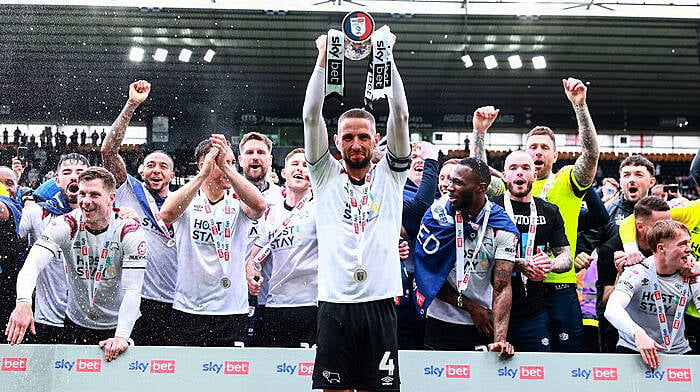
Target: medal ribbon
{"type": "Point", "coordinates": [359, 211]}
{"type": "Point", "coordinates": [547, 186]}
{"type": "Point", "coordinates": [104, 258]}
{"type": "Point", "coordinates": [660, 311]}
{"type": "Point", "coordinates": [531, 232]}
{"type": "Point", "coordinates": [335, 63]}
{"type": "Point", "coordinates": [265, 251]}
{"type": "Point", "coordinates": [150, 208]}
{"type": "Point", "coordinates": [462, 273]}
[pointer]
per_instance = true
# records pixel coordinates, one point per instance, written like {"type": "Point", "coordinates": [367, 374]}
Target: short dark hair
{"type": "Point", "coordinates": [637, 160]}
{"type": "Point", "coordinates": [645, 206]}
{"type": "Point", "coordinates": [99, 173]}
{"type": "Point", "coordinates": [664, 230]}
{"type": "Point", "coordinates": [172, 161]}
{"type": "Point", "coordinates": [358, 113]}
{"type": "Point", "coordinates": [542, 130]}
{"type": "Point", "coordinates": [203, 148]}
{"type": "Point", "coordinates": [479, 167]}
{"type": "Point", "coordinates": [79, 158]}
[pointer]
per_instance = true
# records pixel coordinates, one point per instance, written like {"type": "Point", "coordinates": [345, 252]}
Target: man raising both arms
{"type": "Point", "coordinates": [358, 229]}
{"type": "Point", "coordinates": [146, 198]}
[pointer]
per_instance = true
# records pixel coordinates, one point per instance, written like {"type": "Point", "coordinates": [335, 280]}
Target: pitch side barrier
{"type": "Point", "coordinates": [154, 369]}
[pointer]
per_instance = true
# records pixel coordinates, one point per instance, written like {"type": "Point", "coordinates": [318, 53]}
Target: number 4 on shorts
{"type": "Point", "coordinates": [387, 363]}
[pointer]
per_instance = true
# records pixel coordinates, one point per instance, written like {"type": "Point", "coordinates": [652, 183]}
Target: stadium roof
{"type": "Point", "coordinates": [65, 61]}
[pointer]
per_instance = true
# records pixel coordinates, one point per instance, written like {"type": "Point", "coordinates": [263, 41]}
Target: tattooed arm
{"type": "Point", "coordinates": [482, 120]}
{"type": "Point", "coordinates": [562, 260]}
{"type": "Point", "coordinates": [138, 92]}
{"type": "Point", "coordinates": [587, 164]}
{"type": "Point", "coordinates": [502, 299]}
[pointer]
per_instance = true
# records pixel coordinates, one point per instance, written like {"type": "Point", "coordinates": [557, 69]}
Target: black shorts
{"type": "Point", "coordinates": [155, 326]}
{"type": "Point", "coordinates": [46, 334]}
{"type": "Point", "coordinates": [209, 331]}
{"type": "Point", "coordinates": [357, 346]}
{"type": "Point", "coordinates": [75, 334]}
{"type": "Point", "coordinates": [444, 336]}
{"type": "Point", "coordinates": [286, 327]}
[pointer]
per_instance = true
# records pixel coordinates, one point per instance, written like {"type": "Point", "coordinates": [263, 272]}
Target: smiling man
{"type": "Point", "coordinates": [51, 296]}
{"type": "Point", "coordinates": [105, 260]}
{"type": "Point", "coordinates": [146, 198]}
{"type": "Point", "coordinates": [464, 259]}
{"type": "Point", "coordinates": [256, 161]}
{"type": "Point", "coordinates": [289, 316]}
{"type": "Point", "coordinates": [647, 303]}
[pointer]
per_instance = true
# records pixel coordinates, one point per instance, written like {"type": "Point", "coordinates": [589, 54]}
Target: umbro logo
{"type": "Point", "coordinates": [387, 380]}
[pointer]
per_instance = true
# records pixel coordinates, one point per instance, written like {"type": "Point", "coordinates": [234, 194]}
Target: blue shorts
{"type": "Point", "coordinates": [530, 334]}
{"type": "Point", "coordinates": [565, 318]}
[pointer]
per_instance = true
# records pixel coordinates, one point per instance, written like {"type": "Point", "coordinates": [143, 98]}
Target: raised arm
{"type": "Point", "coordinates": [253, 203]}
{"type": "Point", "coordinates": [397, 137]}
{"type": "Point", "coordinates": [586, 164]}
{"type": "Point", "coordinates": [315, 133]}
{"type": "Point", "coordinates": [482, 120]}
{"type": "Point", "coordinates": [176, 204]}
{"type": "Point", "coordinates": [414, 209]}
{"type": "Point", "coordinates": [111, 160]}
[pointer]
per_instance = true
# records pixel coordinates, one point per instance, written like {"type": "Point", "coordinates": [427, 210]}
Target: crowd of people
{"type": "Point", "coordinates": [384, 249]}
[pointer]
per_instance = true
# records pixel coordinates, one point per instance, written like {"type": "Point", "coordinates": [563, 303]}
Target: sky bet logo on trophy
{"type": "Point", "coordinates": [357, 41]}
